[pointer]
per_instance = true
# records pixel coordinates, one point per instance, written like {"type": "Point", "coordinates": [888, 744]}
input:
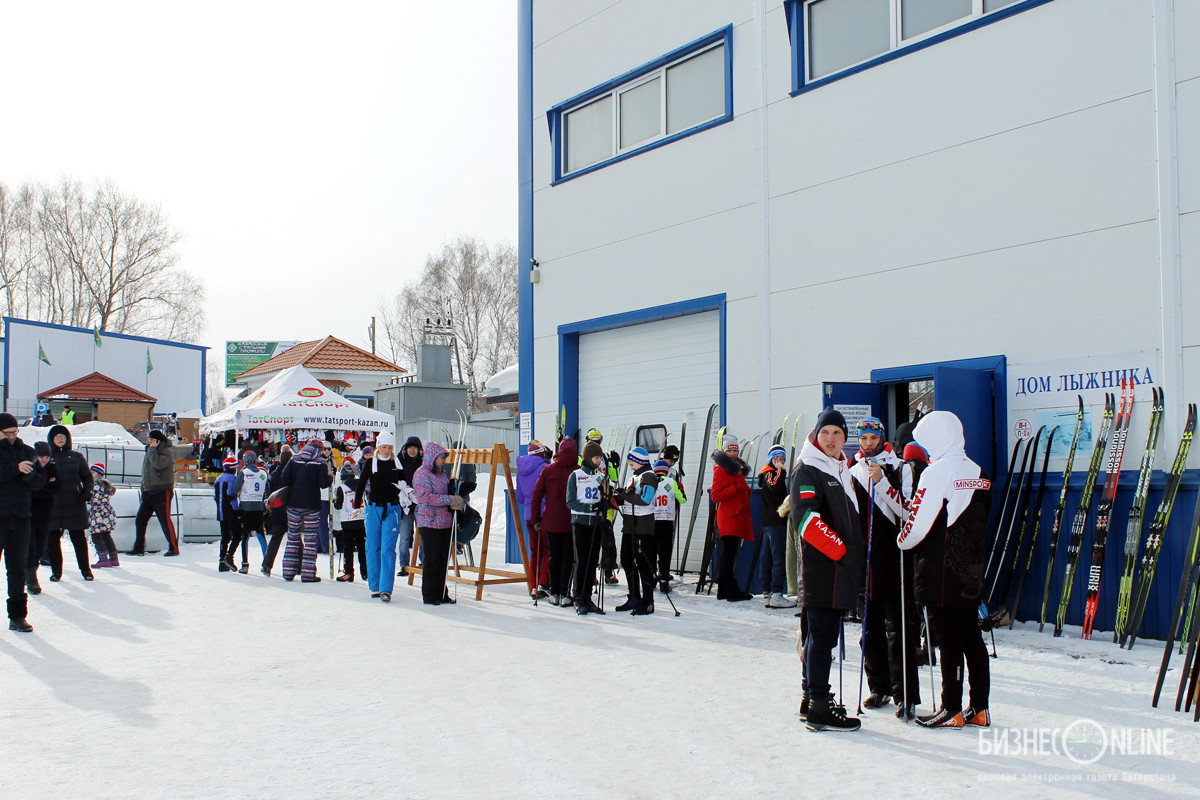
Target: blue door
{"type": "Point", "coordinates": [968, 393]}
{"type": "Point", "coordinates": [855, 401]}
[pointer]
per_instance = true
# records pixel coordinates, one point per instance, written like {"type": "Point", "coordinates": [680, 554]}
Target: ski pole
{"type": "Point", "coordinates": [903, 641]}
{"type": "Point", "coordinates": [862, 631]}
{"type": "Point", "coordinates": [929, 651]}
{"type": "Point", "coordinates": [639, 552]}
{"type": "Point", "coordinates": [841, 658]}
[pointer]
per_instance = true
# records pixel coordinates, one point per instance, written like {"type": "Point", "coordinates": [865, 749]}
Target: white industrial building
{"type": "Point", "coordinates": [755, 202]}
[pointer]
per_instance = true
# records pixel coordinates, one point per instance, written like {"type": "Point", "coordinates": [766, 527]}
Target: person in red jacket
{"type": "Point", "coordinates": [549, 515]}
{"type": "Point", "coordinates": [731, 493]}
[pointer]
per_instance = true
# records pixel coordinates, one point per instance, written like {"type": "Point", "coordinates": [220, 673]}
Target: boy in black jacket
{"type": "Point", "coordinates": [832, 558]}
{"type": "Point", "coordinates": [772, 483]}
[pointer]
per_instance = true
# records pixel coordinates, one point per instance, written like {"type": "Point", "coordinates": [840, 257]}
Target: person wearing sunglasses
{"type": "Point", "coordinates": [20, 475]}
{"type": "Point", "coordinates": [877, 474]}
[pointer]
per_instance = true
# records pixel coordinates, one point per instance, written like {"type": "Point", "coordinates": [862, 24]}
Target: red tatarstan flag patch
{"type": "Point", "coordinates": [807, 492]}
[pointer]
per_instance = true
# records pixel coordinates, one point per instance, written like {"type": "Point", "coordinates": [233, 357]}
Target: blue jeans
{"type": "Point", "coordinates": [382, 523]}
{"type": "Point", "coordinates": [323, 528]}
{"type": "Point", "coordinates": [824, 625]}
{"type": "Point", "coordinates": [404, 543]}
{"type": "Point", "coordinates": [772, 568]}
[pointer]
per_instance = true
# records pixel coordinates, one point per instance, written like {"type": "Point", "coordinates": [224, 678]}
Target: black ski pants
{"type": "Point", "coordinates": [14, 541]}
{"type": "Point", "coordinates": [664, 542]}
{"type": "Point", "coordinates": [823, 627]}
{"type": "Point", "coordinates": [54, 552]}
{"type": "Point", "coordinates": [154, 503]}
{"type": "Point", "coordinates": [958, 637]}
{"type": "Point", "coordinates": [884, 652]}
{"type": "Point", "coordinates": [277, 531]}
{"type": "Point", "coordinates": [39, 530]}
{"type": "Point", "coordinates": [562, 559]}
{"type": "Point", "coordinates": [586, 540]}
{"type": "Point", "coordinates": [727, 585]}
{"type": "Point", "coordinates": [354, 537]}
{"type": "Point", "coordinates": [608, 544]}
{"type": "Point", "coordinates": [637, 559]}
{"type": "Point", "coordinates": [433, 571]}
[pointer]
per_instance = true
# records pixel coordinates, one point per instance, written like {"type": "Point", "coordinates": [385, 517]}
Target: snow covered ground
{"type": "Point", "coordinates": [166, 679]}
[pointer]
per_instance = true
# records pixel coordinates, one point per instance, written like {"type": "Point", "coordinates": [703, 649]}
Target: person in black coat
{"type": "Point", "coordinates": [412, 455]}
{"type": "Point", "coordinates": [20, 476]}
{"type": "Point", "coordinates": [41, 507]}
{"type": "Point", "coordinates": [277, 515]}
{"type": "Point", "coordinates": [69, 512]}
{"type": "Point", "coordinates": [832, 562]}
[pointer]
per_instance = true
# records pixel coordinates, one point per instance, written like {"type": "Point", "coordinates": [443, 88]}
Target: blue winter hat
{"type": "Point", "coordinates": [639, 456]}
{"type": "Point", "coordinates": [870, 425]}
{"type": "Point", "coordinates": [661, 466]}
{"type": "Point", "coordinates": [776, 450]}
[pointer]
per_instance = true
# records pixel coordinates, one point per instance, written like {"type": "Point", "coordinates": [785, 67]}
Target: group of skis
{"type": "Point", "coordinates": [1020, 521]}
{"type": "Point", "coordinates": [751, 451]}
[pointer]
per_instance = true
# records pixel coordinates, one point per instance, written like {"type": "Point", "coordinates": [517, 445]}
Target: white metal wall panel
{"type": "Point", "coordinates": [176, 381]}
{"type": "Point", "coordinates": [654, 374]}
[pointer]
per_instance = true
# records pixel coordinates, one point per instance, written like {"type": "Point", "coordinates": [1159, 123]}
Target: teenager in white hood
{"type": "Point", "coordinates": [832, 559]}
{"type": "Point", "coordinates": [947, 530]}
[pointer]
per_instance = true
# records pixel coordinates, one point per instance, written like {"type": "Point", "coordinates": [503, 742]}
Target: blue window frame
{"type": "Point", "coordinates": [679, 94]}
{"type": "Point", "coordinates": [834, 39]}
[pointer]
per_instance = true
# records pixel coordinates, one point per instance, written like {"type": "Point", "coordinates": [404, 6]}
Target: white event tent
{"type": "Point", "coordinates": [295, 399]}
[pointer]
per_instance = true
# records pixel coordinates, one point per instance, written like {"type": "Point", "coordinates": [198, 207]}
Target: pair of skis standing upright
{"type": "Point", "coordinates": [1132, 600]}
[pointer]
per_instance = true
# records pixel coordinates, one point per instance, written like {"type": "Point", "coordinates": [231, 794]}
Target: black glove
{"type": "Point", "coordinates": [614, 460]}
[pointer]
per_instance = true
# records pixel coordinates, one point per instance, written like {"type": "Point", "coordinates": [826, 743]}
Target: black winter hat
{"type": "Point", "coordinates": [159, 435]}
{"type": "Point", "coordinates": [831, 416]}
{"type": "Point", "coordinates": [41, 448]}
{"type": "Point", "coordinates": [671, 452]}
{"type": "Point", "coordinates": [7, 421]}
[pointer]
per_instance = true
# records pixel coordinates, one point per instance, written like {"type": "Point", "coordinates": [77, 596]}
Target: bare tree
{"type": "Point", "coordinates": [95, 257]}
{"type": "Point", "coordinates": [473, 285]}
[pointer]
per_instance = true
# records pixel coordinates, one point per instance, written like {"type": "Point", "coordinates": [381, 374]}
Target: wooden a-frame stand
{"type": "Point", "coordinates": [497, 457]}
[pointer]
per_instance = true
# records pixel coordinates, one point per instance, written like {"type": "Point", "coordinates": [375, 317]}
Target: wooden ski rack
{"type": "Point", "coordinates": [498, 456]}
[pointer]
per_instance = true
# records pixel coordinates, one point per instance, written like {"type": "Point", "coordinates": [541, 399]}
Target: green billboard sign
{"type": "Point", "coordinates": [241, 356]}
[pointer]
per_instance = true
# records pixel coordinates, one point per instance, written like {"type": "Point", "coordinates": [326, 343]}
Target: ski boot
{"type": "Point", "coordinates": [876, 700]}
{"type": "Point", "coordinates": [630, 604]}
{"type": "Point", "coordinates": [979, 718]}
{"type": "Point", "coordinates": [944, 718]}
{"type": "Point", "coordinates": [644, 609]}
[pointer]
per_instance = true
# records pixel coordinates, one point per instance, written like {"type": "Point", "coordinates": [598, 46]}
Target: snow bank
{"type": "Point", "coordinates": [503, 382]}
{"type": "Point", "coordinates": [95, 432]}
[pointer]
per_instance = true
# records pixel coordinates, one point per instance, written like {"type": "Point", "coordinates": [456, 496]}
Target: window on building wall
{"type": "Point", "coordinates": [674, 96]}
{"type": "Point", "coordinates": [839, 34]}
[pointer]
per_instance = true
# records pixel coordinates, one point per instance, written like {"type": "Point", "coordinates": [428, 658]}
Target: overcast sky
{"type": "Point", "coordinates": [311, 154]}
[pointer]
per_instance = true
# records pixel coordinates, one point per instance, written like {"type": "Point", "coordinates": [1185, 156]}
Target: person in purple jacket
{"type": "Point", "coordinates": [434, 504]}
{"type": "Point", "coordinates": [528, 468]}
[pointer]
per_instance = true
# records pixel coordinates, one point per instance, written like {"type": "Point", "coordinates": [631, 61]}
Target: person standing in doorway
{"type": "Point", "coordinates": [158, 484]}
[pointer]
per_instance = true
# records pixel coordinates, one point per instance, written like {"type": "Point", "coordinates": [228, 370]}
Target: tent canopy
{"type": "Point", "coordinates": [295, 399]}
